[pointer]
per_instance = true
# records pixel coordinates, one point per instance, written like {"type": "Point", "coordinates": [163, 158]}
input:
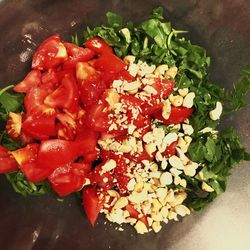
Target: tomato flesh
{"type": "Point", "coordinates": [91, 203]}
{"type": "Point", "coordinates": [7, 162]}
{"type": "Point", "coordinates": [33, 79]}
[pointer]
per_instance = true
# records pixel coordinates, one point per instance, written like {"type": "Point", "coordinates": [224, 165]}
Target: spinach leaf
{"type": "Point", "coordinates": [22, 186]}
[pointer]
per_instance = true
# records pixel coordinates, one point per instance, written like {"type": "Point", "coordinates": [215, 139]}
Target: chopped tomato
{"type": "Point", "coordinates": [50, 53]}
{"type": "Point", "coordinates": [104, 179]}
{"type": "Point", "coordinates": [91, 203]}
{"type": "Point", "coordinates": [98, 45]}
{"type": "Point", "coordinates": [135, 214]}
{"type": "Point", "coordinates": [177, 115]}
{"type": "Point", "coordinates": [7, 162]}
{"type": "Point", "coordinates": [34, 99]}
{"type": "Point", "coordinates": [170, 150]}
{"type": "Point", "coordinates": [85, 71]}
{"type": "Point", "coordinates": [110, 63]}
{"type": "Point", "coordinates": [164, 87]}
{"type": "Point", "coordinates": [40, 125]}
{"type": "Point", "coordinates": [34, 172]}
{"type": "Point", "coordinates": [65, 96]}
{"type": "Point", "coordinates": [97, 117]}
{"type": "Point", "coordinates": [50, 79]}
{"type": "Point", "coordinates": [87, 139]}
{"type": "Point", "coordinates": [26, 154]}
{"type": "Point", "coordinates": [91, 91]}
{"type": "Point", "coordinates": [65, 132]}
{"type": "Point", "coordinates": [125, 75]}
{"type": "Point", "coordinates": [77, 54]}
{"type": "Point", "coordinates": [69, 178]}
{"type": "Point", "coordinates": [33, 79]}
{"type": "Point", "coordinates": [54, 153]}
{"type": "Point", "coordinates": [138, 158]}
{"type": "Point", "coordinates": [14, 125]}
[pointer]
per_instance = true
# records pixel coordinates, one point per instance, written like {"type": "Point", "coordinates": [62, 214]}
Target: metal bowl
{"type": "Point", "coordinates": [44, 223]}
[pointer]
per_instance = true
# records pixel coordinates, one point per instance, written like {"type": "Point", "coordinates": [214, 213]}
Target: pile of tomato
{"type": "Point", "coordinates": [66, 113]}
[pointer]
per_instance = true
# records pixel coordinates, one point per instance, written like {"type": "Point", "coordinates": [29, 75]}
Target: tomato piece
{"type": "Point", "coordinates": [91, 91]}
{"type": "Point", "coordinates": [33, 79]}
{"type": "Point", "coordinates": [65, 96]}
{"type": "Point", "coordinates": [125, 75]}
{"type": "Point", "coordinates": [103, 179]}
{"type": "Point", "coordinates": [49, 54]}
{"type": "Point", "coordinates": [14, 125]}
{"type": "Point", "coordinates": [135, 214]}
{"type": "Point", "coordinates": [26, 154]}
{"type": "Point", "coordinates": [138, 158]}
{"type": "Point", "coordinates": [167, 87]}
{"type": "Point", "coordinates": [143, 124]}
{"type": "Point", "coordinates": [152, 105]}
{"type": "Point", "coordinates": [109, 63]}
{"type": "Point", "coordinates": [50, 79]}
{"type": "Point", "coordinates": [34, 99]}
{"type": "Point", "coordinates": [170, 150]}
{"type": "Point", "coordinates": [177, 115]}
{"type": "Point", "coordinates": [33, 172]}
{"type": "Point", "coordinates": [98, 45]}
{"type": "Point", "coordinates": [77, 54]}
{"type": "Point", "coordinates": [68, 179]}
{"type": "Point", "coordinates": [164, 87]}
{"type": "Point", "coordinates": [64, 132]}
{"type": "Point", "coordinates": [61, 73]}
{"type": "Point", "coordinates": [87, 139]}
{"type": "Point", "coordinates": [54, 153]}
{"type": "Point", "coordinates": [91, 203]}
{"type": "Point", "coordinates": [97, 117]}
{"type": "Point", "coordinates": [7, 162]}
{"type": "Point", "coordinates": [85, 71]}
{"type": "Point", "coordinates": [40, 125]}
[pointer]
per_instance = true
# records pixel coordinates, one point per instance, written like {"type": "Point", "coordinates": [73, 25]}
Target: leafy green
{"type": "Point", "coordinates": [235, 99]}
{"type": "Point", "coordinates": [22, 186]}
{"type": "Point", "coordinates": [14, 103]}
{"type": "Point", "coordinates": [217, 155]}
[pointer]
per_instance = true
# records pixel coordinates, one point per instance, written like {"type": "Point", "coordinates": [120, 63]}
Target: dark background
{"type": "Point", "coordinates": [223, 27]}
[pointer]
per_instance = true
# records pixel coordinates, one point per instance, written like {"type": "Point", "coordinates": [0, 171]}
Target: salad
{"type": "Point", "coordinates": [126, 117]}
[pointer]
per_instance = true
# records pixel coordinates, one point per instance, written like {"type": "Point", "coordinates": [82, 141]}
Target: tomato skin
{"type": "Point", "coordinates": [138, 158]}
{"type": "Point", "coordinates": [91, 203]}
{"type": "Point", "coordinates": [98, 45]}
{"type": "Point", "coordinates": [7, 162]}
{"type": "Point", "coordinates": [50, 79]}
{"type": "Point", "coordinates": [86, 140]}
{"type": "Point", "coordinates": [77, 54]}
{"type": "Point", "coordinates": [68, 179]}
{"type": "Point", "coordinates": [49, 54]}
{"type": "Point", "coordinates": [103, 179]}
{"type": "Point", "coordinates": [134, 214]}
{"type": "Point", "coordinates": [40, 125]}
{"type": "Point", "coordinates": [91, 91]}
{"type": "Point", "coordinates": [164, 87]}
{"type": "Point", "coordinates": [65, 96]}
{"type": "Point", "coordinates": [170, 150]}
{"type": "Point", "coordinates": [34, 99]}
{"type": "Point", "coordinates": [32, 79]}
{"type": "Point", "coordinates": [177, 115]}
{"type": "Point", "coordinates": [33, 172]}
{"type": "Point", "coordinates": [109, 63]}
{"type": "Point", "coordinates": [55, 152]}
{"type": "Point", "coordinates": [97, 117]}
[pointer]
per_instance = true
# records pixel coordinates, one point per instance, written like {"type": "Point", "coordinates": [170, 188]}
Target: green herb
{"type": "Point", "coordinates": [22, 186]}
{"type": "Point", "coordinates": [235, 99]}
{"type": "Point", "coordinates": [217, 154]}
